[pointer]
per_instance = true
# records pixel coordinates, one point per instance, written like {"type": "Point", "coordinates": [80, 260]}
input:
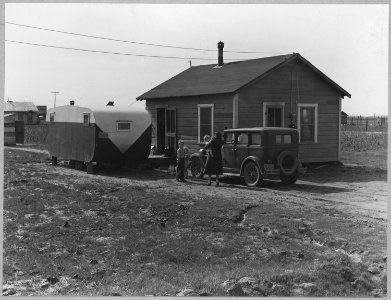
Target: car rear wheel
{"type": "Point", "coordinates": [251, 174]}
{"type": "Point", "coordinates": [196, 168]}
{"type": "Point", "coordinates": [289, 179]}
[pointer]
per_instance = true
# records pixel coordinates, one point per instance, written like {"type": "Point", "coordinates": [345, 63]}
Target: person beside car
{"type": "Point", "coordinates": [214, 161]}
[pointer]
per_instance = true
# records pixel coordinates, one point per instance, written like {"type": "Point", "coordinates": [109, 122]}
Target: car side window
{"type": "Point", "coordinates": [242, 139]}
{"type": "Point", "coordinates": [278, 139]}
{"type": "Point", "coordinates": [230, 138]}
{"type": "Point", "coordinates": [256, 139]}
{"type": "Point", "coordinates": [287, 139]}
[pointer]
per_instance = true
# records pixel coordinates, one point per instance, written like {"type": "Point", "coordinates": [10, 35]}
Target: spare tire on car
{"type": "Point", "coordinates": [287, 162]}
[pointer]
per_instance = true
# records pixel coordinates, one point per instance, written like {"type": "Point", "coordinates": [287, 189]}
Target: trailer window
{"type": "Point", "coordinates": [86, 119]}
{"type": "Point", "coordinates": [124, 126]}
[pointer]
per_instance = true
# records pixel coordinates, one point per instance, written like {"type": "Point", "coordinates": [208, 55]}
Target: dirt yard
{"type": "Point", "coordinates": [140, 232]}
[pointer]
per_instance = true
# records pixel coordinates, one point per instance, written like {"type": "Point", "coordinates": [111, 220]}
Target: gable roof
{"type": "Point", "coordinates": [211, 79]}
{"type": "Point", "coordinates": [19, 106]}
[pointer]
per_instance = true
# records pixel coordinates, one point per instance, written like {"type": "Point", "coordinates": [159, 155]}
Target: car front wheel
{"type": "Point", "coordinates": [196, 168]}
{"type": "Point", "coordinates": [251, 174]}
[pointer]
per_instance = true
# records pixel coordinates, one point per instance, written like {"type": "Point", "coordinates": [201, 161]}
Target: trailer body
{"type": "Point", "coordinates": [86, 135]}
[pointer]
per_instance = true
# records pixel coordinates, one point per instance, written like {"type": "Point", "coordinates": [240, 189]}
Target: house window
{"type": "Point", "coordinates": [52, 117]}
{"type": "Point", "coordinates": [273, 114]}
{"type": "Point", "coordinates": [124, 125]}
{"type": "Point", "coordinates": [205, 120]}
{"type": "Point", "coordinates": [86, 119]}
{"type": "Point", "coordinates": [308, 122]}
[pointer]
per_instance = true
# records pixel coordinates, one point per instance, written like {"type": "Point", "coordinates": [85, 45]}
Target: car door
{"type": "Point", "coordinates": [241, 149]}
{"type": "Point", "coordinates": [228, 152]}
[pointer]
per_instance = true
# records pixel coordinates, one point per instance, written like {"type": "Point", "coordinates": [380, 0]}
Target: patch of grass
{"type": "Point", "coordinates": [363, 141]}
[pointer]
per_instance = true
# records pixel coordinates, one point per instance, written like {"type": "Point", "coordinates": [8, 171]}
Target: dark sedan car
{"type": "Point", "coordinates": [258, 153]}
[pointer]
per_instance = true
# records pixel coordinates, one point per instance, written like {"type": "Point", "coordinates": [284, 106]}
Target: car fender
{"type": "Point", "coordinates": [254, 159]}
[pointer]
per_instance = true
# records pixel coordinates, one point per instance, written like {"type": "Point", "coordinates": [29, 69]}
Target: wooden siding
{"type": "Point", "coordinates": [302, 87]}
{"type": "Point", "coordinates": [187, 115]}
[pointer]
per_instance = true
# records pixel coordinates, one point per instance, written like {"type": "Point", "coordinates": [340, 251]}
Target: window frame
{"type": "Point", "coordinates": [265, 106]}
{"type": "Point", "coordinates": [89, 119]}
{"type": "Point", "coordinates": [199, 120]}
{"type": "Point", "coordinates": [52, 117]}
{"type": "Point", "coordinates": [299, 107]}
{"type": "Point", "coordinates": [124, 121]}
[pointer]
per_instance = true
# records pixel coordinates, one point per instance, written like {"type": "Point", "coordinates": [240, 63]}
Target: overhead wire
{"type": "Point", "coordinates": [109, 52]}
{"type": "Point", "coordinates": [138, 43]}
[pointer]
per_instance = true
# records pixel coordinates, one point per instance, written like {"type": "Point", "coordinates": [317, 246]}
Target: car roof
{"type": "Point", "coordinates": [262, 129]}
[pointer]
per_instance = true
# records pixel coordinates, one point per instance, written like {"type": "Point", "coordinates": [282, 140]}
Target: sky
{"type": "Point", "coordinates": [347, 42]}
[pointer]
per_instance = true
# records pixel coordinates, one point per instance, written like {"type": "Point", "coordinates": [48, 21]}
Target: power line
{"type": "Point", "coordinates": [133, 42]}
{"type": "Point", "coordinates": [109, 52]}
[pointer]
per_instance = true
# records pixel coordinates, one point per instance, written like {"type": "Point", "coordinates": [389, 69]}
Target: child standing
{"type": "Point", "coordinates": [181, 159]}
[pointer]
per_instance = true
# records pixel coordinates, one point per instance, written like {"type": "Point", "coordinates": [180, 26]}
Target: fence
{"type": "Point", "coordinates": [360, 123]}
{"type": "Point", "coordinates": [35, 134]}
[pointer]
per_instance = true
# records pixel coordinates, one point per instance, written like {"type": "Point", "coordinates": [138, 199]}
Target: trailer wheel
{"type": "Point", "coordinates": [90, 168]}
{"type": "Point", "coordinates": [79, 165]}
{"type": "Point", "coordinates": [196, 168]}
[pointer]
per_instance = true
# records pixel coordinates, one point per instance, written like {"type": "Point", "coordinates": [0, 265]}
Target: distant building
{"type": "Point", "coordinates": [9, 129]}
{"type": "Point", "coordinates": [344, 118]}
{"type": "Point", "coordinates": [42, 109]}
{"type": "Point", "coordinates": [24, 111]}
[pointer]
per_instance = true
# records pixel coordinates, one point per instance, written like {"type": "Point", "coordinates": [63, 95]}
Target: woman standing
{"type": "Point", "coordinates": [214, 161]}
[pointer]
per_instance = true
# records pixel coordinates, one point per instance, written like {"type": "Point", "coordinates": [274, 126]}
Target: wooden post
{"type": "Point", "coordinates": [54, 160]}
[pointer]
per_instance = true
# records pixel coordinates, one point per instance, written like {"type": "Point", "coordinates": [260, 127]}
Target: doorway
{"type": "Point", "coordinates": [273, 114]}
{"type": "Point", "coordinates": [165, 130]}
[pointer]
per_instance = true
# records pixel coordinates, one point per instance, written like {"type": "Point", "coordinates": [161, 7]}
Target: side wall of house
{"type": "Point", "coordinates": [187, 115]}
{"type": "Point", "coordinates": [294, 84]}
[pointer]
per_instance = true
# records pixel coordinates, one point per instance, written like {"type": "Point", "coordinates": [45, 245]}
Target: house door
{"type": "Point", "coordinates": [171, 130]}
{"type": "Point", "coordinates": [274, 117]}
{"type": "Point", "coordinates": [19, 132]}
{"type": "Point", "coordinates": [160, 130]}
{"type": "Point", "coordinates": [165, 130]}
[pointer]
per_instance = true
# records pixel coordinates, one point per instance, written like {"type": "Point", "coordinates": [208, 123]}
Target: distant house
{"type": "Point", "coordinates": [344, 118]}
{"type": "Point", "coordinates": [24, 111]}
{"type": "Point", "coordinates": [9, 129]}
{"type": "Point", "coordinates": [278, 91]}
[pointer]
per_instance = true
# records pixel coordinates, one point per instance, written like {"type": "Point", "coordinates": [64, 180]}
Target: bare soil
{"type": "Point", "coordinates": [140, 232]}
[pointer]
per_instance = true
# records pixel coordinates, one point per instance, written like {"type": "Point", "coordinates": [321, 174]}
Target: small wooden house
{"type": "Point", "coordinates": [278, 91]}
{"type": "Point", "coordinates": [24, 111]}
{"type": "Point", "coordinates": [344, 118]}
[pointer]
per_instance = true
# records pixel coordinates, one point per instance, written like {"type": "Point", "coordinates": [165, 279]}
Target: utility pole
{"type": "Point", "coordinates": [55, 94]}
